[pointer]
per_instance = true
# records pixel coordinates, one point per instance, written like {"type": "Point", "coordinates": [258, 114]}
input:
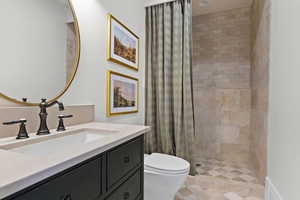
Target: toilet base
{"type": "Point", "coordinates": [162, 187]}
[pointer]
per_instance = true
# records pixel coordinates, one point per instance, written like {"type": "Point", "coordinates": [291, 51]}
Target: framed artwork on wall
{"type": "Point", "coordinates": [122, 45]}
{"type": "Point", "coordinates": [122, 94]}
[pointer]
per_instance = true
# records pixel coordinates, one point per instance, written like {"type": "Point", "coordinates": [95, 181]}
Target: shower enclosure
{"type": "Point", "coordinates": [230, 88]}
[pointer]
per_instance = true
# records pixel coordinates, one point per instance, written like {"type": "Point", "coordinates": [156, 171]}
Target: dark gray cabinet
{"type": "Point", "coordinates": [122, 160]}
{"type": "Point", "coordinates": [114, 175]}
{"type": "Point", "coordinates": [130, 190]}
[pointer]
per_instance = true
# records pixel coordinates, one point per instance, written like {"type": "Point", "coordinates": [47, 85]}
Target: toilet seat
{"type": "Point", "coordinates": [166, 164]}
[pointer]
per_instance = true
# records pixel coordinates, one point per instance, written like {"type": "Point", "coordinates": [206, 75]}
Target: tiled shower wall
{"type": "Point", "coordinates": [260, 84]}
{"type": "Point", "coordinates": [70, 51]}
{"type": "Point", "coordinates": [221, 81]}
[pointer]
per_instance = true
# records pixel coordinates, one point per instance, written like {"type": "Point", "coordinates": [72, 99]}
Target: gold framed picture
{"type": "Point", "coordinates": [122, 94]}
{"type": "Point", "coordinates": [122, 45]}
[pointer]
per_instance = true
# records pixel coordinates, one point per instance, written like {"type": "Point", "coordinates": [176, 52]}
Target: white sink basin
{"type": "Point", "coordinates": [60, 143]}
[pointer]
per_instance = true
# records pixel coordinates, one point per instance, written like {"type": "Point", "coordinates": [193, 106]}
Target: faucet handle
{"type": "Point", "coordinates": [64, 116]}
{"type": "Point", "coordinates": [61, 125]}
{"type": "Point", "coordinates": [15, 122]}
{"type": "Point", "coordinates": [23, 134]}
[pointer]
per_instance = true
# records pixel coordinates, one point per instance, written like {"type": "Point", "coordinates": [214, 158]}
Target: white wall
{"type": "Point", "coordinates": [89, 86]}
{"type": "Point", "coordinates": [284, 109]}
{"type": "Point", "coordinates": [33, 46]}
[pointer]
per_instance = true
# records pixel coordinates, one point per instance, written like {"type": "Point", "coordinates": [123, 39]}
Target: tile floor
{"type": "Point", "coordinates": [226, 170]}
{"type": "Point", "coordinates": [218, 180]}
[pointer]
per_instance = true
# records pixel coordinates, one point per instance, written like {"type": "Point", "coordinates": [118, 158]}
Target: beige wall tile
{"type": "Point", "coordinates": [228, 134]}
{"type": "Point", "coordinates": [221, 79]}
{"type": "Point", "coordinates": [259, 82]}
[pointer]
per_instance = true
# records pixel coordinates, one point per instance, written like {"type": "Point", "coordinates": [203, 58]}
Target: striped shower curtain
{"type": "Point", "coordinates": [169, 102]}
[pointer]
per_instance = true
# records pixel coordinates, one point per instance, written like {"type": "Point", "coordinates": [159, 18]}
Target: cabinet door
{"type": "Point", "coordinates": [123, 159]}
{"type": "Point", "coordinates": [82, 183]}
{"type": "Point", "coordinates": [130, 190]}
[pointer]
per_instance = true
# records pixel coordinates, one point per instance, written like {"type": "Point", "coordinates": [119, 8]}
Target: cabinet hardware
{"type": "Point", "coordinates": [126, 195]}
{"type": "Point", "coordinates": [126, 159]}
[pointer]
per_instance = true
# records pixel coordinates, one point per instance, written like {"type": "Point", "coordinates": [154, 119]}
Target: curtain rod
{"type": "Point", "coordinates": [156, 2]}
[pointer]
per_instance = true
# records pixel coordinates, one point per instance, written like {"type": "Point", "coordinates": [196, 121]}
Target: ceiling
{"type": "Point", "coordinates": [201, 7]}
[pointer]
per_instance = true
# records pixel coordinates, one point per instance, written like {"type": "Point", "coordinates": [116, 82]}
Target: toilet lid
{"type": "Point", "coordinates": [166, 163]}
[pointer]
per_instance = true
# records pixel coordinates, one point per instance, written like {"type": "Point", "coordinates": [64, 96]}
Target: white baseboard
{"type": "Point", "coordinates": [271, 193]}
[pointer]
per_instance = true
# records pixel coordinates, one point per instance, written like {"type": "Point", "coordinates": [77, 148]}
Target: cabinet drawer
{"type": "Point", "coordinates": [123, 159]}
{"type": "Point", "coordinates": [129, 190]}
{"type": "Point", "coordinates": [83, 183]}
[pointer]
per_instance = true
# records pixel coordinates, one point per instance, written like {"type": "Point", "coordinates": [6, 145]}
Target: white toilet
{"type": "Point", "coordinates": [164, 175]}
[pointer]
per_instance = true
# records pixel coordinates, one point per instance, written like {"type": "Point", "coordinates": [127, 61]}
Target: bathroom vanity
{"type": "Point", "coordinates": [88, 162]}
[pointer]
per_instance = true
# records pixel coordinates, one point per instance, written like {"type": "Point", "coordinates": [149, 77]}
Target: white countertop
{"type": "Point", "coordinates": [19, 171]}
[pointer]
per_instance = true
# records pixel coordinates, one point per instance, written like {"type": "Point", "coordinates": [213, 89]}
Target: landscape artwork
{"type": "Point", "coordinates": [122, 94]}
{"type": "Point", "coordinates": [123, 44]}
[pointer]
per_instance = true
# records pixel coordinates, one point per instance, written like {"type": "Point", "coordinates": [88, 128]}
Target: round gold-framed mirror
{"type": "Point", "coordinates": [40, 50]}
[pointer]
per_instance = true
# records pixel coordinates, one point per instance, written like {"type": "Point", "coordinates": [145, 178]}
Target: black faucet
{"type": "Point", "coordinates": [44, 130]}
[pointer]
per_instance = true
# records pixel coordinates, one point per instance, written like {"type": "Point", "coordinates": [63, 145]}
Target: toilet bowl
{"type": "Point", "coordinates": [164, 175]}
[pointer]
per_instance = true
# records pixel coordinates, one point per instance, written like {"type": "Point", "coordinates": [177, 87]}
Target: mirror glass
{"type": "Point", "coordinates": [39, 49]}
